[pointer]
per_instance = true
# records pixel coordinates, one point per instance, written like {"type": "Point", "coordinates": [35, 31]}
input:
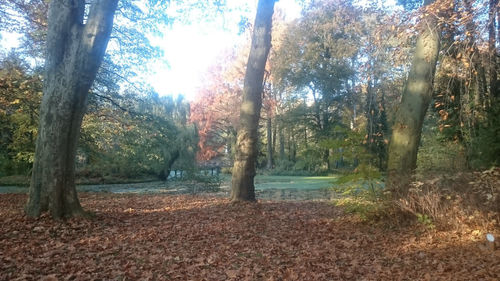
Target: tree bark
{"type": "Point", "coordinates": [282, 142]}
{"type": "Point", "coordinates": [170, 158]}
{"type": "Point", "coordinates": [410, 114]}
{"type": "Point", "coordinates": [243, 188]}
{"type": "Point", "coordinates": [492, 51]}
{"type": "Point", "coordinates": [74, 54]}
{"type": "Point", "coordinates": [269, 165]}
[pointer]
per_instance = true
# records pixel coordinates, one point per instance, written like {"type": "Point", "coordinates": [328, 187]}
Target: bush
{"type": "Point", "coordinates": [438, 154]}
{"type": "Point", "coordinates": [424, 202]}
{"type": "Point", "coordinates": [484, 148]}
{"type": "Point", "coordinates": [363, 193]}
{"type": "Point", "coordinates": [457, 200]}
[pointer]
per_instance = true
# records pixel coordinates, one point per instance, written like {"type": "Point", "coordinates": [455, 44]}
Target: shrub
{"type": "Point", "coordinates": [363, 193]}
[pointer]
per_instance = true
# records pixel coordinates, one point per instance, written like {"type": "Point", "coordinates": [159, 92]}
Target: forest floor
{"type": "Point", "coordinates": [205, 237]}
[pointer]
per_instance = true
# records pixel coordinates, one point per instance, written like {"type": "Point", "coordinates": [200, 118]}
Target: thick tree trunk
{"type": "Point", "coordinates": [269, 126]}
{"type": "Point", "coordinates": [410, 114]}
{"type": "Point", "coordinates": [243, 188]}
{"type": "Point", "coordinates": [74, 54]}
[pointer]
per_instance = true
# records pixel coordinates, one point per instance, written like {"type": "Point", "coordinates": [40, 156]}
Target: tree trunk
{"type": "Point", "coordinates": [274, 137]}
{"type": "Point", "coordinates": [492, 51]}
{"type": "Point", "coordinates": [410, 114]}
{"type": "Point", "coordinates": [282, 142]}
{"type": "Point", "coordinates": [476, 72]}
{"type": "Point", "coordinates": [170, 158]}
{"type": "Point", "coordinates": [243, 188]}
{"type": "Point", "coordinates": [269, 165]}
{"type": "Point", "coordinates": [74, 54]}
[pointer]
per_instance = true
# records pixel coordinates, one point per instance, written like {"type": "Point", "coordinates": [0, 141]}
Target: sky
{"type": "Point", "coordinates": [191, 48]}
{"type": "Point", "coordinates": [9, 40]}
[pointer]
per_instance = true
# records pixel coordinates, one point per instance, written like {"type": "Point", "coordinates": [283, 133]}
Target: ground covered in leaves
{"type": "Point", "coordinates": [186, 237]}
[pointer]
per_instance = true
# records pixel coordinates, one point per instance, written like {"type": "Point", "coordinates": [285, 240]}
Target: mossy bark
{"type": "Point", "coordinates": [409, 117]}
{"type": "Point", "coordinates": [74, 54]}
{"type": "Point", "coordinates": [242, 182]}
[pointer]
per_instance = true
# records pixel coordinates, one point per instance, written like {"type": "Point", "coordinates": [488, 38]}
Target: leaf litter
{"type": "Point", "coordinates": [186, 237]}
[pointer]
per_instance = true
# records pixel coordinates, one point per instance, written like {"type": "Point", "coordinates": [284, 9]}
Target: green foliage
{"type": "Point", "coordinates": [362, 192]}
{"type": "Point", "coordinates": [484, 150]}
{"type": "Point", "coordinates": [365, 209]}
{"type": "Point", "coordinates": [425, 220]}
{"type": "Point", "coordinates": [437, 152]}
{"type": "Point", "coordinates": [20, 95]}
{"type": "Point", "coordinates": [350, 144]}
{"type": "Point", "coordinates": [365, 182]}
{"type": "Point", "coordinates": [137, 143]}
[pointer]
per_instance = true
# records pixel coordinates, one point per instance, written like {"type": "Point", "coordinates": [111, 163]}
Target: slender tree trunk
{"type": "Point", "coordinates": [293, 146]}
{"type": "Point", "coordinates": [269, 165]}
{"type": "Point", "coordinates": [243, 188]}
{"type": "Point", "coordinates": [326, 159]}
{"type": "Point", "coordinates": [274, 137]}
{"type": "Point", "coordinates": [410, 114]}
{"type": "Point", "coordinates": [306, 144]}
{"type": "Point", "coordinates": [282, 142]}
{"type": "Point", "coordinates": [289, 143]}
{"type": "Point", "coordinates": [476, 71]}
{"type": "Point", "coordinates": [74, 54]}
{"type": "Point", "coordinates": [492, 51]}
{"type": "Point", "coordinates": [370, 114]}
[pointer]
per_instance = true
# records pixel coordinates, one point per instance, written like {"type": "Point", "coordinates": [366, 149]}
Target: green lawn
{"type": "Point", "coordinates": [263, 182]}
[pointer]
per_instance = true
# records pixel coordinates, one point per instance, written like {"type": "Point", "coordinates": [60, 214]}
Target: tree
{"type": "Point", "coordinates": [215, 111]}
{"type": "Point", "coordinates": [243, 188]}
{"type": "Point", "coordinates": [492, 50]}
{"type": "Point", "coordinates": [416, 98]}
{"type": "Point", "coordinates": [20, 95]}
{"type": "Point", "coordinates": [312, 68]}
{"type": "Point", "coordinates": [75, 47]}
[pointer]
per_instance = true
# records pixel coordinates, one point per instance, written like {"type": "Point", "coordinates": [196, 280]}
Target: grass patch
{"type": "Point", "coordinates": [263, 182]}
{"type": "Point", "coordinates": [15, 180]}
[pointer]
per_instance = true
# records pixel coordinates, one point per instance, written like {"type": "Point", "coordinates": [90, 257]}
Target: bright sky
{"type": "Point", "coordinates": [9, 40]}
{"type": "Point", "coordinates": [191, 48]}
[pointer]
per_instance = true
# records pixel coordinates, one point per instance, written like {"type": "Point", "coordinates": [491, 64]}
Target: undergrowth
{"type": "Point", "coordinates": [457, 201]}
{"type": "Point", "coordinates": [362, 193]}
